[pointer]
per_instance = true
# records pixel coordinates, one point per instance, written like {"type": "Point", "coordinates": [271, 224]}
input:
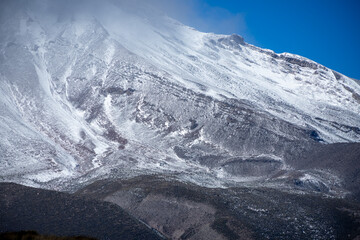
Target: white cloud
{"type": "Point", "coordinates": [194, 13]}
{"type": "Point", "coordinates": [206, 18]}
{"type": "Point", "coordinates": [200, 15]}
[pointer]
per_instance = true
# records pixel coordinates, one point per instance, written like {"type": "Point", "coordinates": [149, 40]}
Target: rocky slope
{"type": "Point", "coordinates": [188, 211]}
{"type": "Point", "coordinates": [61, 214]}
{"type": "Point", "coordinates": [177, 210]}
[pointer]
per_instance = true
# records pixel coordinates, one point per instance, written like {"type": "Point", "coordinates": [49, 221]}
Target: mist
{"type": "Point", "coordinates": [194, 13]}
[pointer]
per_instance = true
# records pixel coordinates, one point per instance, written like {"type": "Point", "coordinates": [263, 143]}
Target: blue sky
{"type": "Point", "coordinates": [326, 31]}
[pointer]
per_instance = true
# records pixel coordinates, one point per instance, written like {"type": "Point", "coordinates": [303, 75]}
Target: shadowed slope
{"type": "Point", "coordinates": [55, 213]}
{"type": "Point", "coordinates": [186, 211]}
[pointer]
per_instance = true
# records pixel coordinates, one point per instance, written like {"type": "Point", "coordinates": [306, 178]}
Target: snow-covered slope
{"type": "Point", "coordinates": [123, 91]}
{"type": "Point", "coordinates": [227, 65]}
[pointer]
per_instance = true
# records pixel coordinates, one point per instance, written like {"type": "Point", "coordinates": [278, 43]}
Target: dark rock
{"type": "Point", "coordinates": [62, 214]}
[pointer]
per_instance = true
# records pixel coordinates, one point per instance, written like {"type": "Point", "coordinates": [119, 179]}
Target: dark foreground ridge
{"type": "Point", "coordinates": [32, 235]}
{"type": "Point", "coordinates": [107, 209]}
{"type": "Point", "coordinates": [186, 211]}
{"type": "Point", "coordinates": [62, 214]}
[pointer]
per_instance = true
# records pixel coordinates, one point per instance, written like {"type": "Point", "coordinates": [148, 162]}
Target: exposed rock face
{"type": "Point", "coordinates": [340, 158]}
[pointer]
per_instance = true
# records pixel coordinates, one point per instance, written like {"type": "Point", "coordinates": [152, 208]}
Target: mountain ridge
{"type": "Point", "coordinates": [91, 98]}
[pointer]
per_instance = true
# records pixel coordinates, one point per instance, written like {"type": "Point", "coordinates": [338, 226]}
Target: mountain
{"type": "Point", "coordinates": [85, 95]}
{"type": "Point", "coordinates": [116, 89]}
